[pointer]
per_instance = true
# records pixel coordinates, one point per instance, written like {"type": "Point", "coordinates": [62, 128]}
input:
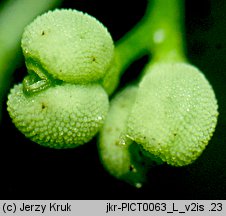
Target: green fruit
{"type": "Point", "coordinates": [174, 114]}
{"type": "Point", "coordinates": [68, 45]}
{"type": "Point", "coordinates": [63, 116]}
{"type": "Point", "coordinates": [121, 158]}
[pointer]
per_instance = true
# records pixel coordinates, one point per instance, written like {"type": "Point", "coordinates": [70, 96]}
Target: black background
{"type": "Point", "coordinates": [30, 171]}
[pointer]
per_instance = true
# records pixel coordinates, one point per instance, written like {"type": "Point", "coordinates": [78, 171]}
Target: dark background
{"type": "Point", "coordinates": [30, 171]}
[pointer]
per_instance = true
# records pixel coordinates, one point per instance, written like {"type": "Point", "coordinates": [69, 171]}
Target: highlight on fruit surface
{"type": "Point", "coordinates": [174, 114]}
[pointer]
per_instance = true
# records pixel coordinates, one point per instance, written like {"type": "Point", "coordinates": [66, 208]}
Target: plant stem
{"type": "Point", "coordinates": [159, 33]}
{"type": "Point", "coordinates": [135, 43]}
{"type": "Point", "coordinates": [14, 16]}
{"type": "Point", "coordinates": [167, 29]}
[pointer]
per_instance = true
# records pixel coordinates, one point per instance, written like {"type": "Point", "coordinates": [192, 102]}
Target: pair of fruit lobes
{"type": "Point", "coordinates": [169, 117]}
{"type": "Point", "coordinates": [63, 101]}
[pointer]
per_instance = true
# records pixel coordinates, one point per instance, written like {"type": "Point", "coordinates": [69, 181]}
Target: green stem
{"type": "Point", "coordinates": [159, 33]}
{"type": "Point", "coordinates": [167, 30]}
{"type": "Point", "coordinates": [14, 16]}
{"type": "Point", "coordinates": [135, 43]}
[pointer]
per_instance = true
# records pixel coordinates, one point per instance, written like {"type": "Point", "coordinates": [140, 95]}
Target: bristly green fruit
{"type": "Point", "coordinates": [122, 158]}
{"type": "Point", "coordinates": [68, 45]}
{"type": "Point", "coordinates": [63, 116]}
{"type": "Point", "coordinates": [174, 114]}
{"type": "Point", "coordinates": [63, 101]}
